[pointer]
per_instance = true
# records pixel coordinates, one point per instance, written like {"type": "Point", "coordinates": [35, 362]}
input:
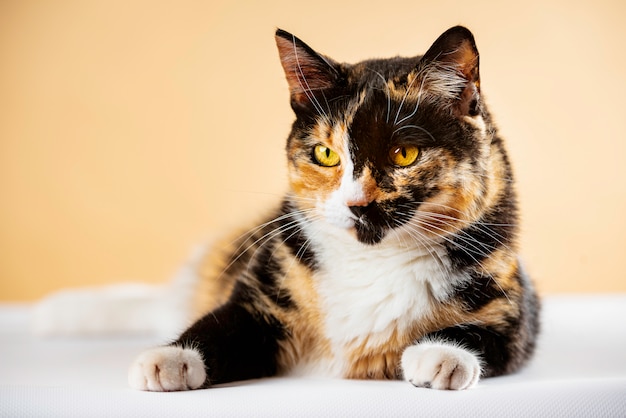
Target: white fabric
{"type": "Point", "coordinates": [579, 370]}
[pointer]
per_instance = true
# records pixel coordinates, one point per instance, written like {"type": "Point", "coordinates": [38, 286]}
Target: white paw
{"type": "Point", "coordinates": [440, 365]}
{"type": "Point", "coordinates": [165, 369]}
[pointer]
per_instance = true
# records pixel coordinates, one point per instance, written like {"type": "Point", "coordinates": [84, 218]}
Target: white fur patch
{"type": "Point", "coordinates": [115, 309]}
{"type": "Point", "coordinates": [335, 209]}
{"type": "Point", "coordinates": [166, 369]}
{"type": "Point", "coordinates": [440, 365]}
{"type": "Point", "coordinates": [127, 308]}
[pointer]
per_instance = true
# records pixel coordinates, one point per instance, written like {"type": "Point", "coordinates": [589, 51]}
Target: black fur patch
{"type": "Point", "coordinates": [471, 246]}
{"type": "Point", "coordinates": [296, 240]}
{"type": "Point", "coordinates": [269, 273]}
{"type": "Point", "coordinates": [235, 343]}
{"type": "Point", "coordinates": [491, 345]}
{"type": "Point", "coordinates": [478, 292]}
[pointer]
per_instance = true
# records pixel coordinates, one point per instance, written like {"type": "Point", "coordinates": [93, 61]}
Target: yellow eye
{"type": "Point", "coordinates": [404, 155]}
{"type": "Point", "coordinates": [326, 157]}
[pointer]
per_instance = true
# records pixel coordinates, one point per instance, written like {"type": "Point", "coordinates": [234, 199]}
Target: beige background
{"type": "Point", "coordinates": [130, 130]}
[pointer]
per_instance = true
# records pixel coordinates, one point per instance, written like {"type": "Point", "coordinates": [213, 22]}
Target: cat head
{"type": "Point", "coordinates": [390, 146]}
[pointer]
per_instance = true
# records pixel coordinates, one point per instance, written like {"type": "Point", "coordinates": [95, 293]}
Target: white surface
{"type": "Point", "coordinates": [579, 370]}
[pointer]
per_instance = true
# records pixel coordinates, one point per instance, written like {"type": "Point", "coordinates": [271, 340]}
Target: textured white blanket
{"type": "Point", "coordinates": [579, 370]}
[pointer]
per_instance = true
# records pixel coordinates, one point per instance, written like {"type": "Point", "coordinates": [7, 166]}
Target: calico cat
{"type": "Point", "coordinates": [392, 254]}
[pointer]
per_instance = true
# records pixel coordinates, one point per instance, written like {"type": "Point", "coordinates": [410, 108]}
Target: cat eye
{"type": "Point", "coordinates": [404, 155]}
{"type": "Point", "coordinates": [324, 156]}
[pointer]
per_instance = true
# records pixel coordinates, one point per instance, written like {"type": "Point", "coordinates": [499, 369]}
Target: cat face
{"type": "Point", "coordinates": [389, 147]}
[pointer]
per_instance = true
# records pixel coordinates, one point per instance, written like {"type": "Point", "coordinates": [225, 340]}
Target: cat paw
{"type": "Point", "coordinates": [166, 369]}
{"type": "Point", "coordinates": [440, 365]}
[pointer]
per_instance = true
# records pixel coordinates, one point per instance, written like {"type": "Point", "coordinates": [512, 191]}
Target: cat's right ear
{"type": "Point", "coordinates": [310, 76]}
{"type": "Point", "coordinates": [453, 63]}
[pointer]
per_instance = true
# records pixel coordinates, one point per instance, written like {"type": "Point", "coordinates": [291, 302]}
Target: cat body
{"type": "Point", "coordinates": [393, 253]}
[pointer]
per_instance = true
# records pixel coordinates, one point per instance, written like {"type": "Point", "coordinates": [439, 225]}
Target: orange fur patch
{"type": "Point", "coordinates": [310, 180]}
{"type": "Point", "coordinates": [305, 325]}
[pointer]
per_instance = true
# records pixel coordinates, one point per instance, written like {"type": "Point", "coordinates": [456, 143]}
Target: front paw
{"type": "Point", "coordinates": [166, 369]}
{"type": "Point", "coordinates": [440, 365]}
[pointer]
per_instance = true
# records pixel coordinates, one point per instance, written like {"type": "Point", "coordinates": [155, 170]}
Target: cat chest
{"type": "Point", "coordinates": [373, 295]}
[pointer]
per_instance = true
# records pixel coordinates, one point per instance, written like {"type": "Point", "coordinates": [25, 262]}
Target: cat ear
{"type": "Point", "coordinates": [308, 73]}
{"type": "Point", "coordinates": [452, 64]}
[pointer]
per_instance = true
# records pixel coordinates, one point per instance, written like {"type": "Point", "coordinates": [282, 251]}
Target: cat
{"type": "Point", "coordinates": [393, 253]}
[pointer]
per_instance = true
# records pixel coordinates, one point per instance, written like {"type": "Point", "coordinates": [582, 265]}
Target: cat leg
{"type": "Point", "coordinates": [455, 357]}
{"type": "Point", "coordinates": [226, 345]}
{"type": "Point", "coordinates": [440, 365]}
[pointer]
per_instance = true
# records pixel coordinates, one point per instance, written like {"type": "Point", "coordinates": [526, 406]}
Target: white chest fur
{"type": "Point", "coordinates": [368, 291]}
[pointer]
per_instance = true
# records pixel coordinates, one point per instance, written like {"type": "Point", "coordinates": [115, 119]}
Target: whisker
{"type": "Point", "coordinates": [469, 252]}
{"type": "Point", "coordinates": [248, 234]}
{"type": "Point", "coordinates": [423, 242]}
{"type": "Point", "coordinates": [297, 257]}
{"type": "Point", "coordinates": [477, 250]}
{"type": "Point", "coordinates": [414, 127]}
{"type": "Point", "coordinates": [465, 221]}
{"type": "Point", "coordinates": [481, 266]}
{"type": "Point", "coordinates": [388, 93]}
{"type": "Point", "coordinates": [481, 227]}
{"type": "Point", "coordinates": [241, 251]}
{"type": "Point", "coordinates": [406, 94]}
{"type": "Point", "coordinates": [466, 241]}
{"type": "Point", "coordinates": [417, 104]}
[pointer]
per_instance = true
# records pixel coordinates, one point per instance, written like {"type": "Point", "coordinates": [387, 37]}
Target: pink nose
{"type": "Point", "coordinates": [359, 202]}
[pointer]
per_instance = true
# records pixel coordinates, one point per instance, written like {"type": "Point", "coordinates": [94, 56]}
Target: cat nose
{"type": "Point", "coordinates": [360, 210]}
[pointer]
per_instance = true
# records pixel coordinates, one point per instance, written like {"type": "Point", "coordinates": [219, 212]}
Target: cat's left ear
{"type": "Point", "coordinates": [310, 76]}
{"type": "Point", "coordinates": [452, 61]}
